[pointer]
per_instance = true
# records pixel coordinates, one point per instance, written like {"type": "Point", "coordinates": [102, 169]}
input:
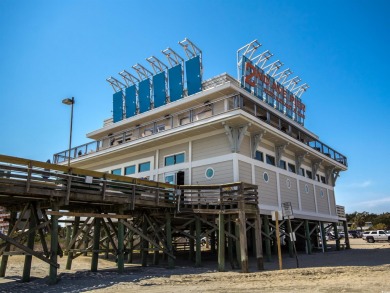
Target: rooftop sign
{"type": "Point", "coordinates": [269, 85]}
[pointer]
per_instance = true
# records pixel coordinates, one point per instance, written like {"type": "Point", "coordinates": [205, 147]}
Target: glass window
{"type": "Point", "coordinates": [288, 183]}
{"type": "Point", "coordinates": [323, 180]}
{"type": "Point", "coordinates": [265, 177]}
{"type": "Point", "coordinates": [270, 160]}
{"type": "Point", "coordinates": [301, 171]}
{"type": "Point", "coordinates": [282, 164]}
{"type": "Point", "coordinates": [170, 179]}
{"type": "Point", "coordinates": [130, 170]}
{"type": "Point", "coordinates": [116, 171]}
{"type": "Point", "coordinates": [291, 167]}
{"type": "Point", "coordinates": [259, 156]}
{"type": "Point", "coordinates": [309, 174]}
{"type": "Point", "coordinates": [209, 173]}
{"type": "Point", "coordinates": [144, 167]}
{"type": "Point", "coordinates": [174, 159]}
{"type": "Point", "coordinates": [318, 177]}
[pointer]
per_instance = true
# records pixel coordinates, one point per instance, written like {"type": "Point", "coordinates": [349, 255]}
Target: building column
{"type": "Point", "coordinates": [347, 245]}
{"type": "Point", "coordinates": [308, 238]}
{"type": "Point", "coordinates": [267, 238]}
{"type": "Point", "coordinates": [221, 243]}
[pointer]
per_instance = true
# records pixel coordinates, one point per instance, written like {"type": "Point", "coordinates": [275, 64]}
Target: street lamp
{"type": "Point", "coordinates": [68, 101]}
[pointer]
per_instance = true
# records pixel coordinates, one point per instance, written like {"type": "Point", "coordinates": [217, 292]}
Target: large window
{"type": "Point", "coordinates": [301, 171]}
{"type": "Point", "coordinates": [130, 170]}
{"type": "Point", "coordinates": [143, 167]}
{"type": "Point", "coordinates": [323, 180]}
{"type": "Point", "coordinates": [259, 156]}
{"type": "Point", "coordinates": [309, 174]}
{"type": "Point", "coordinates": [282, 164]}
{"type": "Point", "coordinates": [291, 167]}
{"type": "Point", "coordinates": [116, 171]}
{"type": "Point", "coordinates": [174, 159]}
{"type": "Point", "coordinates": [270, 160]}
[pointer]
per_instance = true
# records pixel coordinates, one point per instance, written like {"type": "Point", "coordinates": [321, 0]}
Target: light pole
{"type": "Point", "coordinates": [69, 101]}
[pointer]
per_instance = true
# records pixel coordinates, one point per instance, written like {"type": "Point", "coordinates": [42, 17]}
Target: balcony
{"type": "Point", "coordinates": [208, 109]}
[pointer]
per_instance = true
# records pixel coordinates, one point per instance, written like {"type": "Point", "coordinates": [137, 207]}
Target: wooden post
{"type": "Point", "coordinates": [336, 235]}
{"type": "Point", "coordinates": [53, 247]}
{"type": "Point", "coordinates": [267, 239]}
{"type": "Point", "coordinates": [243, 241]}
{"type": "Point", "coordinates": [290, 241]}
{"type": "Point", "coordinates": [198, 257]}
{"type": "Point", "coordinates": [230, 244]}
{"type": "Point", "coordinates": [191, 251]}
{"type": "Point", "coordinates": [67, 239]}
{"type": "Point", "coordinates": [212, 242]}
{"type": "Point", "coordinates": [156, 255]}
{"type": "Point", "coordinates": [144, 243]}
{"type": "Point", "coordinates": [168, 232]}
{"type": "Point", "coordinates": [74, 233]}
{"type": "Point", "coordinates": [237, 242]}
{"type": "Point", "coordinates": [104, 233]}
{"type": "Point", "coordinates": [278, 239]}
{"type": "Point", "coordinates": [259, 243]}
{"type": "Point", "coordinates": [4, 259]}
{"type": "Point", "coordinates": [323, 235]}
{"type": "Point", "coordinates": [120, 253]}
{"type": "Point", "coordinates": [85, 240]}
{"type": "Point", "coordinates": [307, 234]}
{"type": "Point", "coordinates": [347, 245]}
{"type": "Point", "coordinates": [221, 243]}
{"type": "Point", "coordinates": [96, 244]}
{"type": "Point", "coordinates": [130, 246]}
{"type": "Point", "coordinates": [30, 244]}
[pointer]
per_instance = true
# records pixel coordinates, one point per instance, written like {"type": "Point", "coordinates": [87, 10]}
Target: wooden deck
{"type": "Point", "coordinates": [119, 214]}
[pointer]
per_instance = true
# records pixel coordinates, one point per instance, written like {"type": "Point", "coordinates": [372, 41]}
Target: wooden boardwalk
{"type": "Point", "coordinates": [107, 213]}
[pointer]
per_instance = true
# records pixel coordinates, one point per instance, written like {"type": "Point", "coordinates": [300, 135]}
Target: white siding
{"type": "Point", "coordinates": [122, 162]}
{"type": "Point", "coordinates": [332, 202]}
{"type": "Point", "coordinates": [245, 172]}
{"type": "Point", "coordinates": [223, 173]}
{"type": "Point", "coordinates": [289, 194]}
{"type": "Point", "coordinates": [245, 148]}
{"type": "Point", "coordinates": [209, 147]}
{"type": "Point", "coordinates": [307, 199]}
{"type": "Point", "coordinates": [322, 201]}
{"type": "Point", "coordinates": [268, 194]}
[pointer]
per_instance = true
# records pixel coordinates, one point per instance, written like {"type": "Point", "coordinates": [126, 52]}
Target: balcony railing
{"type": "Point", "coordinates": [189, 116]}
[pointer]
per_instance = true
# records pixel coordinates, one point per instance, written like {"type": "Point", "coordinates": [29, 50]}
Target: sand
{"type": "Point", "coordinates": [364, 268]}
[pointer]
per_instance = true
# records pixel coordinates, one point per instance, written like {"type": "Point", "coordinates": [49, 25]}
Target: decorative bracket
{"type": "Point", "coordinates": [298, 161]}
{"type": "Point", "coordinates": [256, 139]}
{"type": "Point", "coordinates": [279, 151]}
{"type": "Point", "coordinates": [314, 167]}
{"type": "Point", "coordinates": [235, 136]}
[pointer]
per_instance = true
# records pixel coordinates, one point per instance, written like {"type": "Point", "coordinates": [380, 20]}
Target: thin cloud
{"type": "Point", "coordinates": [363, 184]}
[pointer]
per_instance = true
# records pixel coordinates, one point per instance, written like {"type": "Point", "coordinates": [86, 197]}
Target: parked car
{"type": "Point", "coordinates": [378, 235]}
{"type": "Point", "coordinates": [353, 233]}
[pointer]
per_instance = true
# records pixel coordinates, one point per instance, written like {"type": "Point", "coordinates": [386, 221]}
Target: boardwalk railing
{"type": "Point", "coordinates": [40, 180]}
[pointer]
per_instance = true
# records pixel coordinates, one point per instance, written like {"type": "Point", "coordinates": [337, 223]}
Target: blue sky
{"type": "Point", "coordinates": [50, 50]}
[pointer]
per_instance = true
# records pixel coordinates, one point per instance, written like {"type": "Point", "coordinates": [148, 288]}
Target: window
{"type": "Point", "coordinates": [130, 170]}
{"type": "Point", "coordinates": [259, 156]}
{"type": "Point", "coordinates": [270, 160]}
{"type": "Point", "coordinates": [117, 171]}
{"type": "Point", "coordinates": [282, 164]}
{"type": "Point", "coordinates": [323, 180]}
{"type": "Point", "coordinates": [318, 177]}
{"type": "Point", "coordinates": [265, 177]}
{"type": "Point", "coordinates": [144, 167]}
{"type": "Point", "coordinates": [288, 183]}
{"type": "Point", "coordinates": [174, 159]}
{"type": "Point", "coordinates": [309, 174]}
{"type": "Point", "coordinates": [209, 173]}
{"type": "Point", "coordinates": [306, 188]}
{"type": "Point", "coordinates": [301, 171]}
{"type": "Point", "coordinates": [291, 167]}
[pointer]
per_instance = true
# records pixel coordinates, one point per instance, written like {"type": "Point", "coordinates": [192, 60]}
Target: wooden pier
{"type": "Point", "coordinates": [105, 213]}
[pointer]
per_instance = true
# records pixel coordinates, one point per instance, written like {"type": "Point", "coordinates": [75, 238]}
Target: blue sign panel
{"type": "Point", "coordinates": [175, 82]}
{"type": "Point", "coordinates": [144, 95]}
{"type": "Point", "coordinates": [159, 89]}
{"type": "Point", "coordinates": [117, 107]}
{"type": "Point", "coordinates": [194, 78]}
{"type": "Point", "coordinates": [131, 103]}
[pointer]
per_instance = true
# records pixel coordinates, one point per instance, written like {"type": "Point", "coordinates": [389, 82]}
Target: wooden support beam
{"type": "Point", "coordinates": [198, 257]}
{"type": "Point", "coordinates": [323, 236]}
{"type": "Point", "coordinates": [230, 244]}
{"type": "Point", "coordinates": [30, 245]}
{"type": "Point", "coordinates": [107, 229]}
{"type": "Point", "coordinates": [347, 245]}
{"type": "Point", "coordinates": [74, 237]}
{"type": "Point", "coordinates": [94, 215]}
{"type": "Point", "coordinates": [191, 251]}
{"type": "Point", "coordinates": [290, 241]}
{"type": "Point", "coordinates": [120, 252]}
{"type": "Point", "coordinates": [221, 243]}
{"type": "Point", "coordinates": [243, 241]}
{"type": "Point", "coordinates": [53, 247]}
{"type": "Point", "coordinates": [259, 242]}
{"type": "Point", "coordinates": [308, 238]}
{"type": "Point", "coordinates": [267, 239]}
{"type": "Point", "coordinates": [4, 259]}
{"type": "Point", "coordinates": [168, 232]}
{"type": "Point", "coordinates": [96, 244]}
{"type": "Point", "coordinates": [34, 210]}
{"type": "Point", "coordinates": [144, 243]}
{"type": "Point", "coordinates": [336, 235]}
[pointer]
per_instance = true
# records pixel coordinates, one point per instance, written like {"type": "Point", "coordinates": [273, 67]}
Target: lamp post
{"type": "Point", "coordinates": [69, 101]}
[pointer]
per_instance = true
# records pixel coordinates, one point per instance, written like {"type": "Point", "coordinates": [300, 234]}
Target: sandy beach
{"type": "Point", "coordinates": [364, 268]}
